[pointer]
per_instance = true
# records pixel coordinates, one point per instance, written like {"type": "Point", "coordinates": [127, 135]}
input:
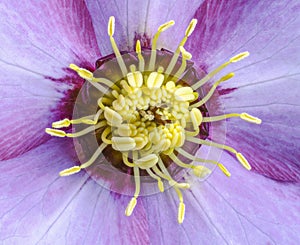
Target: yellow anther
{"type": "Point", "coordinates": [138, 48]}
{"type": "Point", "coordinates": [196, 117]}
{"type": "Point", "coordinates": [70, 171]}
{"type": "Point", "coordinates": [180, 185]}
{"type": "Point", "coordinates": [212, 90]}
{"type": "Point", "coordinates": [111, 26]}
{"type": "Point", "coordinates": [218, 69]}
{"type": "Point", "coordinates": [125, 85]}
{"type": "Point", "coordinates": [111, 30]}
{"type": "Point", "coordinates": [160, 186]}
{"type": "Point", "coordinates": [130, 207]}
{"type": "Point", "coordinates": [112, 117]}
{"type": "Point", "coordinates": [239, 57]}
{"type": "Point", "coordinates": [170, 85]}
{"type": "Point", "coordinates": [83, 73]}
{"type": "Point", "coordinates": [181, 212]}
{"type": "Point", "coordinates": [196, 159]}
{"type": "Point", "coordinates": [191, 27]}
{"type": "Point", "coordinates": [201, 171]}
{"type": "Point", "coordinates": [224, 169]}
{"type": "Point", "coordinates": [184, 94]}
{"type": "Point", "coordinates": [135, 79]}
{"type": "Point", "coordinates": [124, 130]}
{"type": "Point", "coordinates": [62, 123]}
{"type": "Point", "coordinates": [123, 143]}
{"type": "Point", "coordinates": [154, 42]}
{"type": "Point", "coordinates": [155, 80]}
{"type": "Point", "coordinates": [147, 162]}
{"type": "Point", "coordinates": [248, 118]}
{"type": "Point", "coordinates": [243, 161]}
{"type": "Point", "coordinates": [55, 132]}
{"type": "Point", "coordinates": [244, 116]}
{"type": "Point", "coordinates": [140, 57]}
{"type": "Point", "coordinates": [225, 78]}
{"type": "Point", "coordinates": [186, 55]}
{"type": "Point", "coordinates": [140, 142]}
{"type": "Point", "coordinates": [166, 26]}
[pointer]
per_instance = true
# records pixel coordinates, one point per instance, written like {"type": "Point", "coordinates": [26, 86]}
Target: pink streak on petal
{"type": "Point", "coordinates": [140, 17]}
{"type": "Point", "coordinates": [34, 53]}
{"type": "Point", "coordinates": [265, 84]}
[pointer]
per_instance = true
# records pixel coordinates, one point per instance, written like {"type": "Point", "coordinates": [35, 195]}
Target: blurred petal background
{"type": "Point", "coordinates": [39, 39]}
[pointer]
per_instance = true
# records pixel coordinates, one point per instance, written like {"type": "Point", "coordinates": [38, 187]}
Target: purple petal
{"type": "Point", "coordinates": [38, 41]}
{"type": "Point", "coordinates": [134, 18]}
{"type": "Point", "coordinates": [33, 196]}
{"type": "Point", "coordinates": [248, 208]}
{"type": "Point", "coordinates": [266, 83]}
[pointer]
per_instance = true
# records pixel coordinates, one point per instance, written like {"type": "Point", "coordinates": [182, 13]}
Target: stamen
{"type": "Point", "coordinates": [135, 79]}
{"type": "Point", "coordinates": [185, 56]}
{"type": "Point", "coordinates": [159, 182]}
{"type": "Point", "coordinates": [188, 32]}
{"type": "Point", "coordinates": [168, 177]}
{"type": "Point", "coordinates": [62, 123]}
{"type": "Point", "coordinates": [238, 155]}
{"type": "Point", "coordinates": [70, 171]}
{"type": "Point", "coordinates": [86, 130]}
{"type": "Point", "coordinates": [244, 116]}
{"type": "Point", "coordinates": [147, 161]}
{"type": "Point", "coordinates": [113, 118]}
{"type": "Point", "coordinates": [212, 90]}
{"type": "Point", "coordinates": [111, 30]}
{"type": "Point", "coordinates": [155, 80]}
{"type": "Point", "coordinates": [217, 70]}
{"type": "Point", "coordinates": [60, 133]}
{"type": "Point", "coordinates": [181, 206]}
{"type": "Point", "coordinates": [123, 143]}
{"type": "Point", "coordinates": [160, 29]}
{"type": "Point", "coordinates": [83, 73]}
{"type": "Point", "coordinates": [92, 120]}
{"type": "Point", "coordinates": [55, 132]}
{"type": "Point", "coordinates": [197, 159]}
{"type": "Point", "coordinates": [76, 169]}
{"type": "Point", "coordinates": [133, 201]}
{"type": "Point", "coordinates": [184, 94]}
{"type": "Point", "coordinates": [196, 117]}
{"type": "Point", "coordinates": [140, 56]}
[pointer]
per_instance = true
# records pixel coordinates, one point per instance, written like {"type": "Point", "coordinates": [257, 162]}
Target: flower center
{"type": "Point", "coordinates": [149, 113]}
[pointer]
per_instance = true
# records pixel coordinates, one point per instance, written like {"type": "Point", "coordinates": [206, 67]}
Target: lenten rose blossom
{"type": "Point", "coordinates": [38, 42]}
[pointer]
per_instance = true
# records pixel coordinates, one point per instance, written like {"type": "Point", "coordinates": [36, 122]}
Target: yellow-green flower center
{"type": "Point", "coordinates": [150, 113]}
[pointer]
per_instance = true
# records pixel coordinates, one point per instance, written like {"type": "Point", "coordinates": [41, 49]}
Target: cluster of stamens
{"type": "Point", "coordinates": [149, 114]}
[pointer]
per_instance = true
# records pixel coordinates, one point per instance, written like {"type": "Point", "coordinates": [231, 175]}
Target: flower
{"type": "Point", "coordinates": [260, 206]}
